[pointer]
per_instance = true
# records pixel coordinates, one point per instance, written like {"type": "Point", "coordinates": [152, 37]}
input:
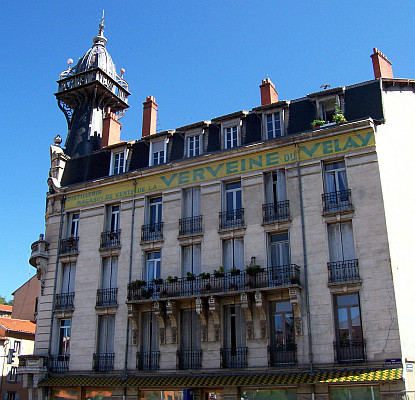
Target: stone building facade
{"type": "Point", "coordinates": [245, 257]}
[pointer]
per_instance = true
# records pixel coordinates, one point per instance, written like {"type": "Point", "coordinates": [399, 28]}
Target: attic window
{"type": "Point", "coordinates": [118, 162]}
{"type": "Point", "coordinates": [326, 108]}
{"type": "Point", "coordinates": [158, 152]}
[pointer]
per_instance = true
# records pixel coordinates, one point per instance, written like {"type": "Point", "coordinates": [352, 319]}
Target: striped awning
{"type": "Point", "coordinates": [196, 381]}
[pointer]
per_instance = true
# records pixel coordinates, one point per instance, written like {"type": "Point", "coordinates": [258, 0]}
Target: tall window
{"type": "Point", "coordinates": [157, 153]}
{"type": "Point", "coordinates": [279, 249]}
{"type": "Point", "coordinates": [155, 211]}
{"type": "Point", "coordinates": [153, 265]}
{"type": "Point", "coordinates": [233, 196]}
{"type": "Point", "coordinates": [73, 224]}
{"type": "Point", "coordinates": [231, 136]}
{"type": "Point", "coordinates": [235, 351]}
{"type": "Point", "coordinates": [113, 218]}
{"type": "Point", "coordinates": [118, 163]}
{"type": "Point", "coordinates": [64, 337]}
{"type": "Point", "coordinates": [106, 328]}
{"type": "Point", "coordinates": [194, 145]}
{"type": "Point", "coordinates": [282, 326]}
{"type": "Point", "coordinates": [191, 259]}
{"type": "Point", "coordinates": [233, 214]}
{"type": "Point", "coordinates": [275, 188]}
{"type": "Point", "coordinates": [190, 346]}
{"type": "Point", "coordinates": [68, 278]}
{"type": "Point", "coordinates": [109, 272]}
{"type": "Point", "coordinates": [233, 253]}
{"type": "Point", "coordinates": [191, 202]}
{"type": "Point", "coordinates": [273, 125]}
{"type": "Point", "coordinates": [341, 243]}
{"type": "Point", "coordinates": [348, 323]}
{"type": "Point", "coordinates": [149, 357]}
{"type": "Point", "coordinates": [335, 177]}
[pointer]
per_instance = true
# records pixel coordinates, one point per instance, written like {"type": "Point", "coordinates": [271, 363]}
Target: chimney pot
{"type": "Point", "coordinates": [111, 129]}
{"type": "Point", "coordinates": [149, 116]}
{"type": "Point", "coordinates": [269, 94]}
{"type": "Point", "coordinates": [382, 67]}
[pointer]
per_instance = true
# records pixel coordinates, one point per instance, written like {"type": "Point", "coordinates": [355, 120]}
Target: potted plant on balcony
{"type": "Point", "coordinates": [137, 284]}
{"type": "Point", "coordinates": [157, 281]}
{"type": "Point", "coordinates": [190, 276]}
{"type": "Point", "coordinates": [170, 279]}
{"type": "Point", "coordinates": [220, 272]}
{"type": "Point", "coordinates": [147, 293]}
{"type": "Point", "coordinates": [253, 270]}
{"type": "Point", "coordinates": [235, 271]}
{"type": "Point", "coordinates": [317, 123]}
{"type": "Point", "coordinates": [338, 117]}
{"type": "Point", "coordinates": [204, 275]}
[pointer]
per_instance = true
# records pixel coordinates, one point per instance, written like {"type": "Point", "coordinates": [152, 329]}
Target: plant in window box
{"type": "Point", "coordinates": [147, 293]}
{"type": "Point", "coordinates": [338, 117]}
{"type": "Point", "coordinates": [157, 281]}
{"type": "Point", "coordinates": [253, 270]}
{"type": "Point", "coordinates": [204, 275]}
{"type": "Point", "coordinates": [171, 279]}
{"type": "Point", "coordinates": [317, 123]}
{"type": "Point", "coordinates": [138, 284]}
{"type": "Point", "coordinates": [235, 271]}
{"type": "Point", "coordinates": [220, 272]}
{"type": "Point", "coordinates": [190, 276]}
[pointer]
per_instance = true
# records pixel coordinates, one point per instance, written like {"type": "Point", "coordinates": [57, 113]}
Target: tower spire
{"type": "Point", "coordinates": [100, 38]}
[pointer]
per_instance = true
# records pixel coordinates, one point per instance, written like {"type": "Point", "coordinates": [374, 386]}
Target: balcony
{"type": "Point", "coordinates": [232, 219]}
{"type": "Point", "coordinates": [348, 351]}
{"type": "Point", "coordinates": [107, 297]}
{"type": "Point", "coordinates": [335, 202]}
{"type": "Point", "coordinates": [235, 357]}
{"type": "Point", "coordinates": [147, 360]}
{"type": "Point", "coordinates": [275, 212]}
{"type": "Point", "coordinates": [59, 364]}
{"type": "Point", "coordinates": [189, 359]}
{"type": "Point", "coordinates": [152, 232]}
{"type": "Point", "coordinates": [343, 271]}
{"type": "Point", "coordinates": [111, 239]}
{"type": "Point", "coordinates": [103, 362]}
{"type": "Point", "coordinates": [190, 226]}
{"type": "Point", "coordinates": [282, 354]}
{"type": "Point", "coordinates": [39, 252]}
{"type": "Point", "coordinates": [69, 245]}
{"type": "Point", "coordinates": [226, 282]}
{"type": "Point", "coordinates": [64, 301]}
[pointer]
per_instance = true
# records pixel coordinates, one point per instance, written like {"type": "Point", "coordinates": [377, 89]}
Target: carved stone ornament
{"type": "Point", "coordinates": [246, 307]}
{"type": "Point", "coordinates": [201, 310]}
{"type": "Point", "coordinates": [171, 311]}
{"type": "Point", "coordinates": [259, 303]}
{"type": "Point", "coordinates": [134, 317]}
{"type": "Point", "coordinates": [214, 311]}
{"type": "Point", "coordinates": [295, 300]}
{"type": "Point", "coordinates": [160, 312]}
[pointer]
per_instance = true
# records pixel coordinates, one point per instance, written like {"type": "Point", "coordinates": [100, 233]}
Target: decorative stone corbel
{"type": "Point", "coordinates": [201, 310]}
{"type": "Point", "coordinates": [259, 303]}
{"type": "Point", "coordinates": [39, 259]}
{"type": "Point", "coordinates": [295, 300]}
{"type": "Point", "coordinates": [171, 311]}
{"type": "Point", "coordinates": [160, 312]}
{"type": "Point", "coordinates": [134, 315]}
{"type": "Point", "coordinates": [246, 307]}
{"type": "Point", "coordinates": [214, 310]}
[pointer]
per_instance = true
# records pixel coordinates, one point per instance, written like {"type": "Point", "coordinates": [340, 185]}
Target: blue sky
{"type": "Point", "coordinates": [200, 59]}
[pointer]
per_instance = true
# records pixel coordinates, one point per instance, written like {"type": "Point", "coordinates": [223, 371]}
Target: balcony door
{"type": "Point", "coordinates": [114, 218]}
{"type": "Point", "coordinates": [335, 177]}
{"type": "Point", "coordinates": [191, 202]}
{"type": "Point", "coordinates": [275, 187]}
{"type": "Point", "coordinates": [341, 243]}
{"type": "Point", "coordinates": [233, 197]}
{"type": "Point", "coordinates": [155, 211]}
{"type": "Point", "coordinates": [153, 266]}
{"type": "Point", "coordinates": [109, 272]}
{"type": "Point", "coordinates": [68, 278]}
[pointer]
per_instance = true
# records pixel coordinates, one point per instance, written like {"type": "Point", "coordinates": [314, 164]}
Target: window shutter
{"type": "Point", "coordinates": [281, 186]}
{"type": "Point", "coordinates": [347, 241]}
{"type": "Point", "coordinates": [196, 336]}
{"type": "Point", "coordinates": [335, 249]}
{"type": "Point", "coordinates": [196, 202]}
{"type": "Point", "coordinates": [239, 253]}
{"type": "Point", "coordinates": [106, 273]}
{"type": "Point", "coordinates": [114, 271]}
{"type": "Point", "coordinates": [102, 334]}
{"type": "Point", "coordinates": [154, 333]}
{"type": "Point", "coordinates": [65, 277]}
{"type": "Point", "coordinates": [71, 284]}
{"type": "Point", "coordinates": [186, 330]}
{"type": "Point", "coordinates": [196, 259]}
{"type": "Point", "coordinates": [110, 335]}
{"type": "Point", "coordinates": [187, 203]}
{"type": "Point", "coordinates": [269, 196]}
{"type": "Point", "coordinates": [147, 333]}
{"type": "Point", "coordinates": [240, 327]}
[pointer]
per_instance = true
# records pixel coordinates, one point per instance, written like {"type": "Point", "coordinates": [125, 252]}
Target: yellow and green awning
{"type": "Point", "coordinates": [195, 381]}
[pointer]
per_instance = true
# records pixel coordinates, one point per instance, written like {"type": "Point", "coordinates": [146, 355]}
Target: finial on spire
{"type": "Point", "coordinates": [101, 25]}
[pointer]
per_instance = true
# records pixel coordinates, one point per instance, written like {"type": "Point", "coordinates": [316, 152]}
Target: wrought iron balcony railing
{"type": "Point", "coordinates": [147, 360]}
{"type": "Point", "coordinates": [59, 364]}
{"type": "Point", "coordinates": [190, 226]}
{"type": "Point", "coordinates": [103, 362]}
{"type": "Point", "coordinates": [235, 357]}
{"type": "Point", "coordinates": [152, 232]}
{"type": "Point", "coordinates": [69, 245]}
{"type": "Point", "coordinates": [343, 271]}
{"type": "Point", "coordinates": [107, 297]}
{"type": "Point", "coordinates": [189, 359]}
{"type": "Point", "coordinates": [231, 219]}
{"type": "Point", "coordinates": [286, 275]}
{"type": "Point", "coordinates": [282, 354]}
{"type": "Point", "coordinates": [111, 239]}
{"type": "Point", "coordinates": [337, 201]}
{"type": "Point", "coordinates": [276, 212]}
{"type": "Point", "coordinates": [64, 301]}
{"type": "Point", "coordinates": [350, 351]}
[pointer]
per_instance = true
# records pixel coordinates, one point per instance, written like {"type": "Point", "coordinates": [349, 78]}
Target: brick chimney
{"type": "Point", "coordinates": [382, 67]}
{"type": "Point", "coordinates": [149, 116]}
{"type": "Point", "coordinates": [268, 93]}
{"type": "Point", "coordinates": [111, 129]}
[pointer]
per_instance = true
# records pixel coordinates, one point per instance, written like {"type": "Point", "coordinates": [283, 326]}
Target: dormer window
{"type": "Point", "coordinates": [118, 163]}
{"type": "Point", "coordinates": [158, 152]}
{"type": "Point", "coordinates": [273, 125]}
{"type": "Point", "coordinates": [326, 108]}
{"type": "Point", "coordinates": [194, 144]}
{"type": "Point", "coordinates": [231, 134]}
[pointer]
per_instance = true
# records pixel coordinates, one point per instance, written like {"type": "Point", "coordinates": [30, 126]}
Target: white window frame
{"type": "Point", "coordinates": [66, 350]}
{"type": "Point", "coordinates": [114, 168]}
{"type": "Point", "coordinates": [156, 265]}
{"type": "Point", "coordinates": [233, 262]}
{"type": "Point", "coordinates": [151, 157]}
{"type": "Point", "coordinates": [112, 212]}
{"type": "Point", "coordinates": [229, 125]}
{"type": "Point", "coordinates": [195, 259]}
{"type": "Point", "coordinates": [187, 139]}
{"type": "Point", "coordinates": [280, 245]}
{"type": "Point", "coordinates": [234, 192]}
{"type": "Point", "coordinates": [281, 124]}
{"type": "Point", "coordinates": [320, 104]}
{"type": "Point", "coordinates": [73, 221]}
{"type": "Point", "coordinates": [109, 272]}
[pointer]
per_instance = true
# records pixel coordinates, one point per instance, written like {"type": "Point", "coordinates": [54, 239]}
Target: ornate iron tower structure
{"type": "Point", "coordinates": [86, 92]}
